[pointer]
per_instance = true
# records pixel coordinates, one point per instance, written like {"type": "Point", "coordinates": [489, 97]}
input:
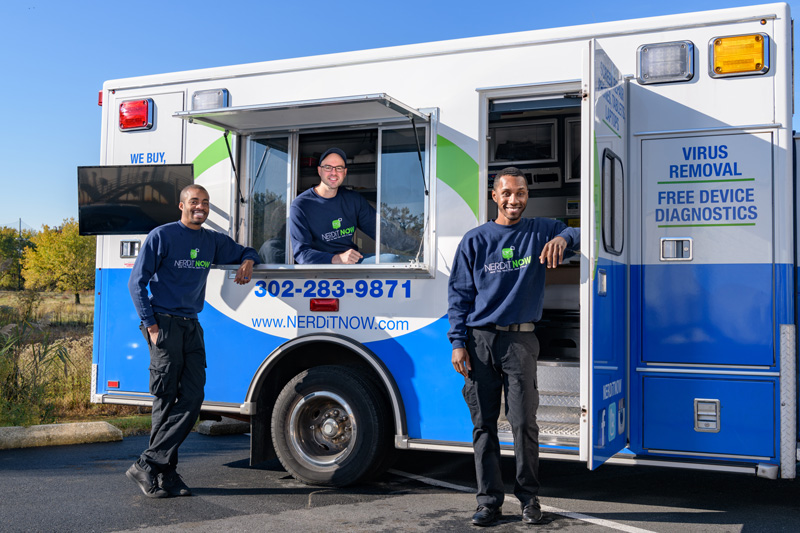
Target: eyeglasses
{"type": "Point", "coordinates": [329, 168]}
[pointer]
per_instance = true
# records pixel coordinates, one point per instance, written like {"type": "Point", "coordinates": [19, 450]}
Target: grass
{"type": "Point", "coordinates": [54, 309]}
{"type": "Point", "coordinates": [132, 425]}
{"type": "Point", "coordinates": [63, 387]}
{"type": "Point", "coordinates": [48, 389]}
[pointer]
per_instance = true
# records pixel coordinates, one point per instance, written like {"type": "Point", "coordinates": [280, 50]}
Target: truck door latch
{"type": "Point", "coordinates": [676, 249]}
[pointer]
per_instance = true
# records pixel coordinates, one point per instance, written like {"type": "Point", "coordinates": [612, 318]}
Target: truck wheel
{"type": "Point", "coordinates": [327, 426]}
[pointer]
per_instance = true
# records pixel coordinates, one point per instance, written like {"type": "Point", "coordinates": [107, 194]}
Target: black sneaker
{"type": "Point", "coordinates": [532, 512]}
{"type": "Point", "coordinates": [486, 516]}
{"type": "Point", "coordinates": [173, 483]}
{"type": "Point", "coordinates": [146, 481]}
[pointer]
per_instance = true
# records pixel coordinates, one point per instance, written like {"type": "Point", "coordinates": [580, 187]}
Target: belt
{"type": "Point", "coordinates": [525, 326]}
{"type": "Point", "coordinates": [176, 316]}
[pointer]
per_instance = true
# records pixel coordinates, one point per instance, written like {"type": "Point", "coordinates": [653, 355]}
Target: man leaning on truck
{"type": "Point", "coordinates": [495, 295]}
{"type": "Point", "coordinates": [174, 261]}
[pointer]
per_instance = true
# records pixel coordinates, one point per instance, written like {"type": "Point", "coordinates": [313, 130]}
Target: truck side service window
{"type": "Point", "coordinates": [269, 161]}
{"type": "Point", "coordinates": [402, 194]}
{"type": "Point", "coordinates": [384, 166]}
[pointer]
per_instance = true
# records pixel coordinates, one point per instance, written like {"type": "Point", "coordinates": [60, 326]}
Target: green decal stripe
{"type": "Point", "coordinates": [459, 171]}
{"type": "Point", "coordinates": [705, 225]}
{"type": "Point", "coordinates": [702, 181]}
{"type": "Point", "coordinates": [213, 154]}
{"type": "Point", "coordinates": [612, 129]}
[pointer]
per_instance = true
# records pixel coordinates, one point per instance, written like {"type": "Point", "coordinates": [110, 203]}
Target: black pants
{"type": "Point", "coordinates": [177, 379]}
{"type": "Point", "coordinates": [506, 361]}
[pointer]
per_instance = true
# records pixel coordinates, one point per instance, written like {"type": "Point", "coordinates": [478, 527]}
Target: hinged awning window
{"type": "Point", "coordinates": [343, 111]}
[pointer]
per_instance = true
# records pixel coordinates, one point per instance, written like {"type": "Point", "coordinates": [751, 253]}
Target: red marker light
{"type": "Point", "coordinates": [100, 98]}
{"type": "Point", "coordinates": [324, 304]}
{"type": "Point", "coordinates": [136, 115]}
{"type": "Point", "coordinates": [113, 384]}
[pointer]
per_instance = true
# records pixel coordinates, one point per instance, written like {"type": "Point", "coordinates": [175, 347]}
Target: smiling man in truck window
{"type": "Point", "coordinates": [323, 219]}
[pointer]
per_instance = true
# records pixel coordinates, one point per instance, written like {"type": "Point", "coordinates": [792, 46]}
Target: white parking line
{"type": "Point", "coordinates": [568, 514]}
{"type": "Point", "coordinates": [597, 521]}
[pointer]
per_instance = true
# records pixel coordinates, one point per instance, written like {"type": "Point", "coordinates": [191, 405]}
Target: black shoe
{"type": "Point", "coordinates": [173, 483]}
{"type": "Point", "coordinates": [146, 481]}
{"type": "Point", "coordinates": [486, 516]}
{"type": "Point", "coordinates": [532, 512]}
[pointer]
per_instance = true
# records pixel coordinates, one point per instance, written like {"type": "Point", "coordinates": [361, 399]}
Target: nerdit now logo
{"type": "Point", "coordinates": [338, 231]}
{"type": "Point", "coordinates": [508, 264]}
{"type": "Point", "coordinates": [193, 262]}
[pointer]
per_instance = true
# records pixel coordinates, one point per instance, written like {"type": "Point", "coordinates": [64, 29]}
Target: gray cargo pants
{"type": "Point", "coordinates": [503, 360]}
{"type": "Point", "coordinates": [177, 379]}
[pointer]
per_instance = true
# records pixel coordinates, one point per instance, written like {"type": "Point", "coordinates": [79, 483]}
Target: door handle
{"type": "Point", "coordinates": [676, 249]}
{"type": "Point", "coordinates": [602, 282]}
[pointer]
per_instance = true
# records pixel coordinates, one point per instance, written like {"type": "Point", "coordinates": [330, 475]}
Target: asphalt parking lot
{"type": "Point", "coordinates": [83, 488]}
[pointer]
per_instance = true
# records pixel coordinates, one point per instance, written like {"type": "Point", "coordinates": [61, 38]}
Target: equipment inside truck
{"type": "Point", "coordinates": [541, 137]}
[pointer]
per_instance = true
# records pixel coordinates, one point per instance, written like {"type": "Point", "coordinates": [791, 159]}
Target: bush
{"type": "Point", "coordinates": [37, 329]}
{"type": "Point", "coordinates": [29, 367]}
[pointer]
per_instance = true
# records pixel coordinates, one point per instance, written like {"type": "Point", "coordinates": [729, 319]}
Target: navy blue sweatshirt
{"type": "Point", "coordinates": [497, 277]}
{"type": "Point", "coordinates": [323, 227]}
{"type": "Point", "coordinates": [175, 260]}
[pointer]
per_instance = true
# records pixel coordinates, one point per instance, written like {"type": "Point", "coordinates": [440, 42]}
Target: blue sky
{"type": "Point", "coordinates": [55, 56]}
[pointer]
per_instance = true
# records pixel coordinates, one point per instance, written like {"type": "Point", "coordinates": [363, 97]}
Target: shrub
{"type": "Point", "coordinates": [30, 367]}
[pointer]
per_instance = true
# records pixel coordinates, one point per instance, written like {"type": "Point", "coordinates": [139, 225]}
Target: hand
{"type": "Point", "coordinates": [350, 257]}
{"type": "Point", "coordinates": [553, 252]}
{"type": "Point", "coordinates": [244, 273]}
{"type": "Point", "coordinates": [461, 361]}
{"type": "Point", "coordinates": [153, 332]}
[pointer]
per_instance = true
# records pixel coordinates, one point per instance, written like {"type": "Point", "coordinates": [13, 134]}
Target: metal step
{"type": "Point", "coordinates": [559, 411]}
{"type": "Point", "coordinates": [549, 433]}
{"type": "Point", "coordinates": [558, 415]}
{"type": "Point", "coordinates": [558, 378]}
{"type": "Point", "coordinates": [558, 399]}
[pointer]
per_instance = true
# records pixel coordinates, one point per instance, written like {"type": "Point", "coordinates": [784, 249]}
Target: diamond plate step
{"type": "Point", "coordinates": [549, 433]}
{"type": "Point", "coordinates": [559, 405]}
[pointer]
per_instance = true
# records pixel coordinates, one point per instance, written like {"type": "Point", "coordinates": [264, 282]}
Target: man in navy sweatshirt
{"type": "Point", "coordinates": [174, 261]}
{"type": "Point", "coordinates": [323, 219]}
{"type": "Point", "coordinates": [495, 294]}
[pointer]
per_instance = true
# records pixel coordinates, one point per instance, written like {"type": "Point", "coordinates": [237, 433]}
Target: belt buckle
{"type": "Point", "coordinates": [524, 327]}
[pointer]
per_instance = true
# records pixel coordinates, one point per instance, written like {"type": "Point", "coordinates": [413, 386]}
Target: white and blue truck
{"type": "Point", "coordinates": [670, 339]}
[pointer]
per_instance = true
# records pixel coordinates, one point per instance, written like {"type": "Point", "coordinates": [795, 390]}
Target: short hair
{"type": "Point", "coordinates": [508, 171]}
{"type": "Point", "coordinates": [193, 186]}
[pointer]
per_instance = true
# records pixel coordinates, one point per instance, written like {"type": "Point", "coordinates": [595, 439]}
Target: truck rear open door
{"type": "Point", "coordinates": [604, 270]}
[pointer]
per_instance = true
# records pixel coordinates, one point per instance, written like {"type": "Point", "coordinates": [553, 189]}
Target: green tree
{"type": "Point", "coordinates": [12, 245]}
{"type": "Point", "coordinates": [60, 259]}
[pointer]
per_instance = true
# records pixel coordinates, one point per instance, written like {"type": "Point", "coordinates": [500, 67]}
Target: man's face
{"type": "Point", "coordinates": [511, 195]}
{"type": "Point", "coordinates": [332, 178]}
{"type": "Point", "coordinates": [194, 208]}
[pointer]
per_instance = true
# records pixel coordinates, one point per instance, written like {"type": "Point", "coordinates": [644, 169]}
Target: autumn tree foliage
{"type": "Point", "coordinates": [60, 259]}
{"type": "Point", "coordinates": [12, 245]}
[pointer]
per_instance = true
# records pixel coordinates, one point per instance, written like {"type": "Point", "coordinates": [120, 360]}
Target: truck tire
{"type": "Point", "coordinates": [328, 427]}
